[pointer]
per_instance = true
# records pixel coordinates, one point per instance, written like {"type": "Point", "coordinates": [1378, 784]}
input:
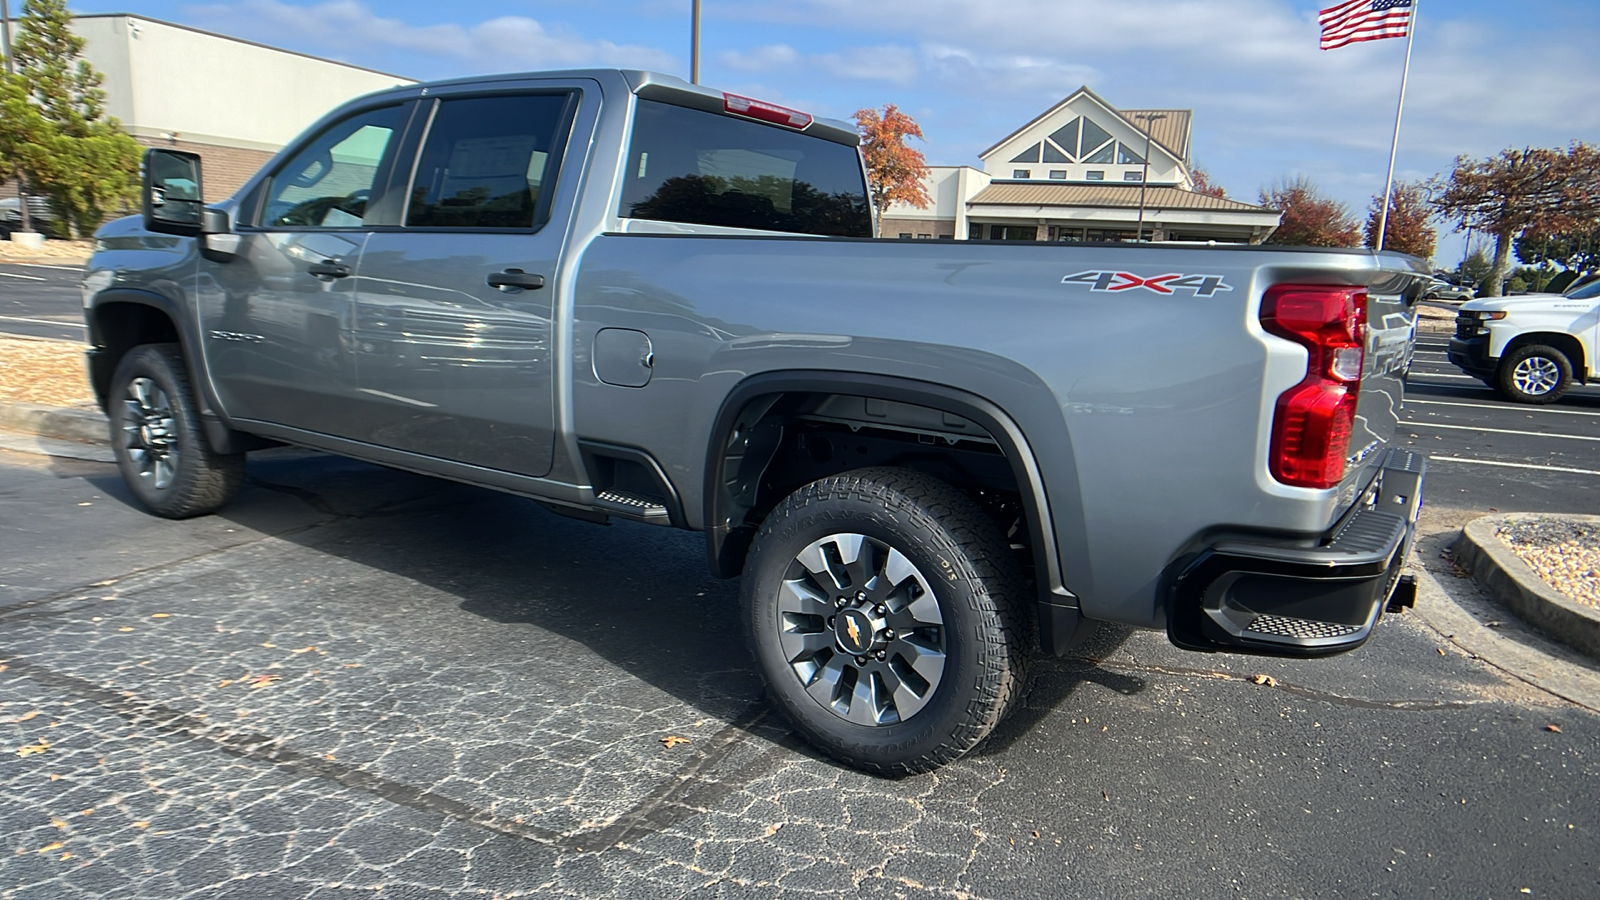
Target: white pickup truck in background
{"type": "Point", "coordinates": [1531, 347]}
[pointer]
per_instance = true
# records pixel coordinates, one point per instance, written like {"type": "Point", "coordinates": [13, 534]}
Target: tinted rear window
{"type": "Point", "coordinates": [686, 165]}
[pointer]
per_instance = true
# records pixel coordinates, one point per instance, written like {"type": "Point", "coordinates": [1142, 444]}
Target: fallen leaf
{"type": "Point", "coordinates": [53, 845]}
{"type": "Point", "coordinates": [352, 665]}
{"type": "Point", "coordinates": [141, 824]}
{"type": "Point", "coordinates": [303, 650]}
{"type": "Point", "coordinates": [66, 856]}
{"type": "Point", "coordinates": [26, 716]}
{"type": "Point", "coordinates": [1105, 795]}
{"type": "Point", "coordinates": [225, 682]}
{"type": "Point", "coordinates": [1267, 680]}
{"type": "Point", "coordinates": [261, 681]}
{"type": "Point", "coordinates": [673, 740]}
{"type": "Point", "coordinates": [86, 812]}
{"type": "Point", "coordinates": [124, 628]}
{"type": "Point", "coordinates": [161, 615]}
{"type": "Point", "coordinates": [1440, 649]}
{"type": "Point", "coordinates": [269, 645]}
{"type": "Point", "coordinates": [31, 749]}
{"type": "Point", "coordinates": [1553, 727]}
{"type": "Point", "coordinates": [1035, 833]}
{"type": "Point", "coordinates": [58, 823]}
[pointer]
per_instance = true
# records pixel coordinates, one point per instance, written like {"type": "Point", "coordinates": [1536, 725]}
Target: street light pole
{"type": "Point", "coordinates": [5, 27]}
{"type": "Point", "coordinates": [1145, 178]}
{"type": "Point", "coordinates": [694, 45]}
{"type": "Point", "coordinates": [5, 35]}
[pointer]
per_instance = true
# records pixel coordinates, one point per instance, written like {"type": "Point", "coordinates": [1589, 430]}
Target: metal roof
{"type": "Point", "coordinates": [1116, 196]}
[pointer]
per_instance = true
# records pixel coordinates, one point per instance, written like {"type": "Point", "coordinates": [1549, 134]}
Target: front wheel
{"type": "Point", "coordinates": [158, 440]}
{"type": "Point", "coordinates": [885, 612]}
{"type": "Point", "coordinates": [1534, 373]}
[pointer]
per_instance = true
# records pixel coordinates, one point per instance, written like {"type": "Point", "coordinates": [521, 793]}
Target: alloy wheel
{"type": "Point", "coordinates": [149, 433]}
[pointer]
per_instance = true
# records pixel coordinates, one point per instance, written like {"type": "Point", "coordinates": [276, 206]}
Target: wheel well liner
{"type": "Point", "coordinates": [120, 320]}
{"type": "Point", "coordinates": [727, 542]}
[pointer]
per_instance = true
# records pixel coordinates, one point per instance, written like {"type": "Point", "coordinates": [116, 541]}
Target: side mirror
{"type": "Point", "coordinates": [173, 202]}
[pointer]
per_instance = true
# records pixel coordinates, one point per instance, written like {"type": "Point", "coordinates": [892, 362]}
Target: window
{"type": "Point", "coordinates": [925, 237]}
{"type": "Point", "coordinates": [1058, 175]}
{"type": "Point", "coordinates": [1095, 175]}
{"type": "Point", "coordinates": [326, 183]}
{"type": "Point", "coordinates": [1133, 176]}
{"type": "Point", "coordinates": [905, 235]}
{"type": "Point", "coordinates": [1021, 173]}
{"type": "Point", "coordinates": [1029, 155]}
{"type": "Point", "coordinates": [1013, 232]}
{"type": "Point", "coordinates": [486, 162]}
{"type": "Point", "coordinates": [686, 165]}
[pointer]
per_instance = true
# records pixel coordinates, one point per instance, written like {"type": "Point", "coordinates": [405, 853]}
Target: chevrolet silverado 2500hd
{"type": "Point", "coordinates": [626, 296]}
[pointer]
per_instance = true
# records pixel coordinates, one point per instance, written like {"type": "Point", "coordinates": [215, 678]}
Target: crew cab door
{"type": "Point", "coordinates": [453, 338]}
{"type": "Point", "coordinates": [276, 316]}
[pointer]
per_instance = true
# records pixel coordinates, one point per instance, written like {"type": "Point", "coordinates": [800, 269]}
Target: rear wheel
{"type": "Point", "coordinates": [1534, 373]}
{"type": "Point", "coordinates": [885, 611]}
{"type": "Point", "coordinates": [158, 440]}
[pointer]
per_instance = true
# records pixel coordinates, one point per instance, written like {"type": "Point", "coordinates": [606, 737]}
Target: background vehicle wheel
{"type": "Point", "coordinates": [1534, 373]}
{"type": "Point", "coordinates": [159, 443]}
{"type": "Point", "coordinates": [885, 611]}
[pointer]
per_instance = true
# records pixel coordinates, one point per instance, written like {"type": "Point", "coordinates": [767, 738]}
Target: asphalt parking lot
{"type": "Point", "coordinates": [41, 300]}
{"type": "Point", "coordinates": [356, 682]}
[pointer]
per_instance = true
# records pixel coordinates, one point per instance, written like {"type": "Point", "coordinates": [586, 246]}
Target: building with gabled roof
{"type": "Point", "coordinates": [1083, 170]}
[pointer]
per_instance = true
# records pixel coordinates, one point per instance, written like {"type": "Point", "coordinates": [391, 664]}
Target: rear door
{"type": "Point", "coordinates": [454, 306]}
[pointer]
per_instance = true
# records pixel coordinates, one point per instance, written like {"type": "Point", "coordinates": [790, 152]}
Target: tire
{"type": "Point", "coordinates": [885, 611]}
{"type": "Point", "coordinates": [1534, 373]}
{"type": "Point", "coordinates": [158, 440]}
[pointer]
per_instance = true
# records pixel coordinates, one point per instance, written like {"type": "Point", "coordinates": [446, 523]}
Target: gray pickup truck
{"type": "Point", "coordinates": [622, 295]}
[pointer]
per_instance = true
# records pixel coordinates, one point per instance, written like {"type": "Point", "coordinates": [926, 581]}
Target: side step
{"type": "Point", "coordinates": [633, 506]}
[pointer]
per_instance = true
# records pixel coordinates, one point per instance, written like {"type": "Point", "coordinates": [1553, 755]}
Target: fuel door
{"type": "Point", "coordinates": [623, 357]}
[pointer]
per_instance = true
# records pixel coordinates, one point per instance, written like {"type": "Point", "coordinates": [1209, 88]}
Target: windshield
{"type": "Point", "coordinates": [1586, 292]}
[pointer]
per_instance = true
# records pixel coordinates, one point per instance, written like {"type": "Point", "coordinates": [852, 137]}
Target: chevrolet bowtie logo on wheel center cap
{"type": "Point", "coordinates": [853, 631]}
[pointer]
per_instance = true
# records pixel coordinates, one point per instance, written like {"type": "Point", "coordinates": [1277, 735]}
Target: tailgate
{"type": "Point", "coordinates": [1391, 334]}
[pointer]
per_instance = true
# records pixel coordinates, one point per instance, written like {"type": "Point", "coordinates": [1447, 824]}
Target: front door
{"type": "Point", "coordinates": [452, 333]}
{"type": "Point", "coordinates": [276, 317]}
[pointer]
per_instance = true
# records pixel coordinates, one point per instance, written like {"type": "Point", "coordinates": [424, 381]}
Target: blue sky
{"type": "Point", "coordinates": [1268, 104]}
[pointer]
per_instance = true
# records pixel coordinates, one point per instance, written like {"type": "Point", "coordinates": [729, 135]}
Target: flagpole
{"type": "Point", "coordinates": [1394, 145]}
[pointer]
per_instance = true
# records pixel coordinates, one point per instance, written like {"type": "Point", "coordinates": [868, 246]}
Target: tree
{"type": "Point", "coordinates": [1577, 249]}
{"type": "Point", "coordinates": [54, 130]}
{"type": "Point", "coordinates": [1409, 230]}
{"type": "Point", "coordinates": [1203, 185]}
{"type": "Point", "coordinates": [1309, 219]}
{"type": "Point", "coordinates": [1547, 190]}
{"type": "Point", "coordinates": [894, 170]}
{"type": "Point", "coordinates": [1474, 268]}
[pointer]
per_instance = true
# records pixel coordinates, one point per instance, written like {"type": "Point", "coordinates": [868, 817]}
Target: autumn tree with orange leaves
{"type": "Point", "coordinates": [1408, 229]}
{"type": "Point", "coordinates": [1535, 191]}
{"type": "Point", "coordinates": [1310, 219]}
{"type": "Point", "coordinates": [894, 170]}
{"type": "Point", "coordinates": [1204, 185]}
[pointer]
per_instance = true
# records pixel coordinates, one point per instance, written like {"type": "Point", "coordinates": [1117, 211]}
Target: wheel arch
{"type": "Point", "coordinates": [735, 451]}
{"type": "Point", "coordinates": [1569, 346]}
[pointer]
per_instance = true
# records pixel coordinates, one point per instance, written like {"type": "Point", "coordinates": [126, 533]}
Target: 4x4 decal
{"type": "Point", "coordinates": [1202, 285]}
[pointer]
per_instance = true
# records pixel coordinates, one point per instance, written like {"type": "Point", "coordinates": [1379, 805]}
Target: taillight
{"type": "Point", "coordinates": [765, 112]}
{"type": "Point", "coordinates": [1313, 420]}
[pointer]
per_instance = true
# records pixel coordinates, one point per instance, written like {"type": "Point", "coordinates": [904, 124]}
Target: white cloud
{"type": "Point", "coordinates": [335, 27]}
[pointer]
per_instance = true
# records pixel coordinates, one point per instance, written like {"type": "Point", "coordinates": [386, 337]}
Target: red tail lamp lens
{"type": "Point", "coordinates": [766, 112]}
{"type": "Point", "coordinates": [1312, 422]}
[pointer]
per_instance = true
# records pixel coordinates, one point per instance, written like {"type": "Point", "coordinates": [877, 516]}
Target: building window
{"type": "Point", "coordinates": [924, 237]}
{"type": "Point", "coordinates": [1095, 175]}
{"type": "Point", "coordinates": [947, 237]}
{"type": "Point", "coordinates": [1064, 233]}
{"type": "Point", "coordinates": [1132, 176]}
{"type": "Point", "coordinates": [1013, 232]}
{"type": "Point", "coordinates": [1058, 175]}
{"type": "Point", "coordinates": [1021, 173]}
{"type": "Point", "coordinates": [905, 235]}
{"type": "Point", "coordinates": [974, 231]}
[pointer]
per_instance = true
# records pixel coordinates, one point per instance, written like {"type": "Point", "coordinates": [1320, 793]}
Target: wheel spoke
{"type": "Point", "coordinates": [863, 702]}
{"type": "Point", "coordinates": [824, 685]}
{"type": "Point", "coordinates": [907, 701]}
{"type": "Point", "coordinates": [802, 646]}
{"type": "Point", "coordinates": [924, 659]}
{"type": "Point", "coordinates": [800, 598]}
{"type": "Point", "coordinates": [815, 558]}
{"type": "Point", "coordinates": [165, 470]}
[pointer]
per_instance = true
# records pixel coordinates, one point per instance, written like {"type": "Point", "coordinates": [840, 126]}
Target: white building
{"type": "Point", "coordinates": [1079, 173]}
{"type": "Point", "coordinates": [235, 102]}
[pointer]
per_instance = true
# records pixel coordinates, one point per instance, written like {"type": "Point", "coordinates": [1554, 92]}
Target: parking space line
{"type": "Point", "coordinates": [1442, 375]}
{"type": "Point", "coordinates": [1512, 465]}
{"type": "Point", "coordinates": [23, 277]}
{"type": "Point", "coordinates": [1525, 409]}
{"type": "Point", "coordinates": [1568, 437]}
{"type": "Point", "coordinates": [43, 266]}
{"type": "Point", "coordinates": [42, 321]}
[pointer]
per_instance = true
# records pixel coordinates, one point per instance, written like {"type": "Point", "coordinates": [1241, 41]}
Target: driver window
{"type": "Point", "coordinates": [326, 183]}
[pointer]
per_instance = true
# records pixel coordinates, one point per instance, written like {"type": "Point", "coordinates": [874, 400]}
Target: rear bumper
{"type": "Point", "coordinates": [1279, 599]}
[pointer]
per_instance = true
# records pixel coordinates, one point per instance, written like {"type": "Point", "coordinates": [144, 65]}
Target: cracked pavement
{"type": "Point", "coordinates": [356, 682]}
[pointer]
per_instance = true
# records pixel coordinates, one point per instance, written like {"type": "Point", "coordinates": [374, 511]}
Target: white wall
{"type": "Point", "coordinates": [163, 79]}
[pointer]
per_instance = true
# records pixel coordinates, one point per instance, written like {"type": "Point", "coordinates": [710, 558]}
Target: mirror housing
{"type": "Point", "coordinates": [173, 201]}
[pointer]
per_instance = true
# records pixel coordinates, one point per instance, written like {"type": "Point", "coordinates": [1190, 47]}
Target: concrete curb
{"type": "Point", "coordinates": [86, 426]}
{"type": "Point", "coordinates": [1498, 568]}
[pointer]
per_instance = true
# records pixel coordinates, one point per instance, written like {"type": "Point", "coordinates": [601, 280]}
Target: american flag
{"type": "Point", "coordinates": [1364, 20]}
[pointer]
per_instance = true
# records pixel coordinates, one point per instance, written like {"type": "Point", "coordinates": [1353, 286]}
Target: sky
{"type": "Point", "coordinates": [1268, 104]}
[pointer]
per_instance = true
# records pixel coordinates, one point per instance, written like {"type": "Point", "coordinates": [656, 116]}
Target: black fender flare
{"type": "Point", "coordinates": [725, 547]}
